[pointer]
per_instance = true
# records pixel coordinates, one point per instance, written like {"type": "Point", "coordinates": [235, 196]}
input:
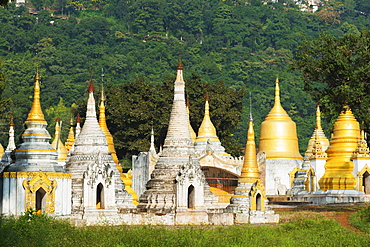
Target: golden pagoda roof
{"type": "Point", "coordinates": [192, 132]}
{"type": "Point", "coordinates": [339, 167]}
{"type": "Point", "coordinates": [250, 173]}
{"type": "Point", "coordinates": [317, 136]}
{"type": "Point", "coordinates": [36, 115]}
{"type": "Point", "coordinates": [58, 145]}
{"type": "Point", "coordinates": [207, 130]}
{"type": "Point", "coordinates": [278, 137]}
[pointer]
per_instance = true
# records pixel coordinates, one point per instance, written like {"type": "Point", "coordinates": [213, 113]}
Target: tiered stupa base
{"type": "Point", "coordinates": [331, 197]}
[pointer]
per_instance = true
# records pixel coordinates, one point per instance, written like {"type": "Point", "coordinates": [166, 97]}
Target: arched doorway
{"type": "Point", "coordinates": [100, 196]}
{"type": "Point", "coordinates": [258, 202]}
{"type": "Point", "coordinates": [366, 182]}
{"type": "Point", "coordinates": [191, 197]}
{"type": "Point", "coordinates": [40, 200]}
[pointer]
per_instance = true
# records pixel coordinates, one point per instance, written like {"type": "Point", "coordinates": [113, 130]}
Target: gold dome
{"type": "Point", "coordinates": [36, 115]}
{"type": "Point", "coordinates": [278, 137]}
{"type": "Point", "coordinates": [207, 130]}
{"type": "Point", "coordinates": [339, 167]}
{"type": "Point", "coordinates": [317, 136]}
{"type": "Point", "coordinates": [250, 172]}
{"type": "Point", "coordinates": [192, 132]}
{"type": "Point", "coordinates": [58, 145]}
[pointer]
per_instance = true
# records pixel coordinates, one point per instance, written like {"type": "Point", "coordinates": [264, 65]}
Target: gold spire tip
{"type": "Point", "coordinates": [179, 65]}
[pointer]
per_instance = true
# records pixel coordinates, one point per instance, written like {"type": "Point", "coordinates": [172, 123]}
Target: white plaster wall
{"type": "Point", "coordinates": [319, 167]}
{"type": "Point", "coordinates": [63, 197]}
{"type": "Point", "coordinates": [277, 173]}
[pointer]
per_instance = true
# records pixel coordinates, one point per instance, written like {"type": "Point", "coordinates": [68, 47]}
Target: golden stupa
{"type": "Point", "coordinates": [71, 137]}
{"type": "Point", "coordinates": [317, 136]}
{"type": "Point", "coordinates": [58, 145]}
{"type": "Point", "coordinates": [36, 115]}
{"type": "Point", "coordinates": [207, 130]}
{"type": "Point", "coordinates": [339, 167]}
{"type": "Point", "coordinates": [250, 173]}
{"type": "Point", "coordinates": [278, 137]}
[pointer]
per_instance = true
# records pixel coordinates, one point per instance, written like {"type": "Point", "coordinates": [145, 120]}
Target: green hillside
{"type": "Point", "coordinates": [243, 44]}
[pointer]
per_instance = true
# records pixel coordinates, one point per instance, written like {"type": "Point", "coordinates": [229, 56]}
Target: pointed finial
{"type": "Point", "coordinates": [318, 116]}
{"type": "Point", "coordinates": [78, 118]}
{"type": "Point", "coordinates": [207, 96]}
{"type": "Point", "coordinates": [277, 90]}
{"type": "Point", "coordinates": [102, 96]}
{"type": "Point", "coordinates": [37, 75]}
{"type": "Point", "coordinates": [187, 101]}
{"type": "Point", "coordinates": [36, 114]}
{"type": "Point", "coordinates": [91, 85]}
{"type": "Point", "coordinates": [179, 65]}
{"type": "Point", "coordinates": [11, 121]}
{"type": "Point", "coordinates": [250, 107]}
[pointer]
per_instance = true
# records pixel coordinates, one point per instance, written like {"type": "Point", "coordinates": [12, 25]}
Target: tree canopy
{"type": "Point", "coordinates": [244, 44]}
{"type": "Point", "coordinates": [336, 72]}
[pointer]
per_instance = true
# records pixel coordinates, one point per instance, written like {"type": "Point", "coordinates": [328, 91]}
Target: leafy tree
{"type": "Point", "coordinates": [335, 72]}
{"type": "Point", "coordinates": [135, 107]}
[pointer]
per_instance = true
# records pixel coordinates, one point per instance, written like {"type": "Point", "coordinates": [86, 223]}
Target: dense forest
{"type": "Point", "coordinates": [227, 47]}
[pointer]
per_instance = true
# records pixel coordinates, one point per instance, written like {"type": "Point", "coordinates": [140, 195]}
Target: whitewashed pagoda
{"type": "Point", "coordinates": [34, 180]}
{"type": "Point", "coordinates": [97, 190]}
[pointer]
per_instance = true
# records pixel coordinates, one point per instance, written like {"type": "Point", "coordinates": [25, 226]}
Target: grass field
{"type": "Point", "coordinates": [302, 226]}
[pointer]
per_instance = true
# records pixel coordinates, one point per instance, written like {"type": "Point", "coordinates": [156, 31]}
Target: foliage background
{"type": "Point", "coordinates": [245, 44]}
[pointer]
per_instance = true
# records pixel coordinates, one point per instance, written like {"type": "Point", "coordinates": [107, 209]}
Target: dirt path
{"type": "Point", "coordinates": [342, 218]}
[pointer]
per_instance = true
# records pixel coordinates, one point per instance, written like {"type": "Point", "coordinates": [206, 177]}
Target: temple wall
{"type": "Point", "coordinates": [140, 172]}
{"type": "Point", "coordinates": [63, 196]}
{"type": "Point", "coordinates": [277, 177]}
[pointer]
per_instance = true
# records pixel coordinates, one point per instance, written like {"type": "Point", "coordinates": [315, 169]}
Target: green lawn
{"type": "Point", "coordinates": [303, 229]}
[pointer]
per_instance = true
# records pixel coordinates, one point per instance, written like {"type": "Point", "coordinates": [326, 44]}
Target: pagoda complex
{"type": "Point", "coordinates": [278, 149]}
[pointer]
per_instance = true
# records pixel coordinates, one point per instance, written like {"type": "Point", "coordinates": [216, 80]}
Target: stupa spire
{"type": "Point", "coordinates": [317, 136]}
{"type": "Point", "coordinates": [207, 130]}
{"type": "Point", "coordinates": [57, 143]}
{"type": "Point", "coordinates": [339, 167]}
{"type": "Point", "coordinates": [11, 144]}
{"type": "Point", "coordinates": [152, 146]}
{"type": "Point", "coordinates": [178, 128]}
{"type": "Point", "coordinates": [104, 127]}
{"type": "Point", "coordinates": [192, 132]}
{"type": "Point", "coordinates": [71, 137]}
{"type": "Point", "coordinates": [78, 124]}
{"type": "Point", "coordinates": [250, 173]}
{"type": "Point", "coordinates": [36, 114]}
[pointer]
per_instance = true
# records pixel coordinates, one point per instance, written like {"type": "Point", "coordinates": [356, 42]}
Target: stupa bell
{"type": "Point", "coordinates": [278, 137]}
